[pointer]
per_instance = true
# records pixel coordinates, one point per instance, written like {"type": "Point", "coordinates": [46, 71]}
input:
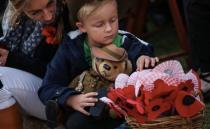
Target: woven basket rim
{"type": "Point", "coordinates": [165, 120]}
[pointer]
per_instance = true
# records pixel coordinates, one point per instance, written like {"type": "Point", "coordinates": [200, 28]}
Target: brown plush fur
{"type": "Point", "coordinates": [103, 73]}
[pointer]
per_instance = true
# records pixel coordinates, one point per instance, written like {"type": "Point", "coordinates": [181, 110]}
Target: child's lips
{"type": "Point", "coordinates": [109, 37]}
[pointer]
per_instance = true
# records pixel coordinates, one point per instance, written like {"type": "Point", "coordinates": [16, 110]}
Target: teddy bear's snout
{"type": "Point", "coordinates": [107, 67]}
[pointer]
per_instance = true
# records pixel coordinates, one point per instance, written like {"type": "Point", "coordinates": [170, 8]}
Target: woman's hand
{"type": "Point", "coordinates": [145, 62]}
{"type": "Point", "coordinates": [3, 56]}
{"type": "Point", "coordinates": [80, 101]}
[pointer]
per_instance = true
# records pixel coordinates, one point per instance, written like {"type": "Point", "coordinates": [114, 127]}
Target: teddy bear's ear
{"type": "Point", "coordinates": [94, 63]}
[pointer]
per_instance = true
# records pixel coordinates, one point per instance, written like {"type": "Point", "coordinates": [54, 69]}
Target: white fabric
{"type": "Point", "coordinates": [6, 99]}
{"type": "Point", "coordinates": [23, 86]}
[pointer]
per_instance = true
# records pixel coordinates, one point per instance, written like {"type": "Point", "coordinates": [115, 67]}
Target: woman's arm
{"type": "Point", "coordinates": [21, 61]}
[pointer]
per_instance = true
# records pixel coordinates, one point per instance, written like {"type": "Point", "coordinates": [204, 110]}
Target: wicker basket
{"type": "Point", "coordinates": [171, 122]}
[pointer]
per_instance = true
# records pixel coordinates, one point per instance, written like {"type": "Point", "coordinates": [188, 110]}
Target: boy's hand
{"type": "Point", "coordinates": [80, 101]}
{"type": "Point", "coordinates": [145, 62]}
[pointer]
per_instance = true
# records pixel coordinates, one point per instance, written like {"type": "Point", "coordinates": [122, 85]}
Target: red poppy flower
{"type": "Point", "coordinates": [140, 95]}
{"type": "Point", "coordinates": [119, 95]}
{"type": "Point", "coordinates": [161, 89]}
{"type": "Point", "coordinates": [171, 97]}
{"type": "Point", "coordinates": [116, 96]}
{"type": "Point", "coordinates": [130, 107]}
{"type": "Point", "coordinates": [156, 108]}
{"type": "Point", "coordinates": [125, 99]}
{"type": "Point", "coordinates": [112, 95]}
{"type": "Point", "coordinates": [187, 105]}
{"type": "Point", "coordinates": [137, 104]}
{"type": "Point", "coordinates": [186, 86]}
{"type": "Point", "coordinates": [49, 32]}
{"type": "Point", "coordinates": [147, 97]}
{"type": "Point", "coordinates": [129, 92]}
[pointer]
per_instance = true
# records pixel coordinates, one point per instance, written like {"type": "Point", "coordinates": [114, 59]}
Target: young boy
{"type": "Point", "coordinates": [97, 21]}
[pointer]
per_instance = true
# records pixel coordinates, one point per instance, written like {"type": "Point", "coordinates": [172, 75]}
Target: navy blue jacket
{"type": "Point", "coordinates": [69, 62]}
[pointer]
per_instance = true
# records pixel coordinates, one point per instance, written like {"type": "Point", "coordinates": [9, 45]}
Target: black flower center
{"type": "Point", "coordinates": [129, 106]}
{"type": "Point", "coordinates": [185, 88]}
{"type": "Point", "coordinates": [155, 108]}
{"type": "Point", "coordinates": [188, 100]}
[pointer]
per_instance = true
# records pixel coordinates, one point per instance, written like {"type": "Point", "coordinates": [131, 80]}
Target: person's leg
{"type": "Point", "coordinates": [198, 21]}
{"type": "Point", "coordinates": [194, 57]}
{"type": "Point", "coordinates": [10, 117]}
{"type": "Point", "coordinates": [78, 120]}
{"type": "Point", "coordinates": [23, 87]}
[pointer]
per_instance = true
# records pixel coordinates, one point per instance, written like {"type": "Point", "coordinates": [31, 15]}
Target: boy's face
{"type": "Point", "coordinates": [102, 24]}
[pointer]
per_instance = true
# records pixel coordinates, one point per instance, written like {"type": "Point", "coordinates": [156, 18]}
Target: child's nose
{"type": "Point", "coordinates": [108, 27]}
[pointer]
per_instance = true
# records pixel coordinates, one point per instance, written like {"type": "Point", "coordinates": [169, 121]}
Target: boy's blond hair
{"type": "Point", "coordinates": [88, 8]}
{"type": "Point", "coordinates": [81, 9]}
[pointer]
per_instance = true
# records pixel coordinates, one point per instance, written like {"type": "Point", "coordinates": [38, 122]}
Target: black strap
{"type": "Point", "coordinates": [51, 111]}
{"type": "Point", "coordinates": [1, 84]}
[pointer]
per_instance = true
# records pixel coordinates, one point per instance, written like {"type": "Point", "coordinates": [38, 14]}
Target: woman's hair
{"type": "Point", "coordinates": [16, 9]}
{"type": "Point", "coordinates": [81, 9]}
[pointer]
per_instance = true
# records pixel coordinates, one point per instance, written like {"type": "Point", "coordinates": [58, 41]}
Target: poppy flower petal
{"type": "Point", "coordinates": [161, 89]}
{"type": "Point", "coordinates": [187, 105]}
{"type": "Point", "coordinates": [129, 92]}
{"type": "Point", "coordinates": [156, 108]}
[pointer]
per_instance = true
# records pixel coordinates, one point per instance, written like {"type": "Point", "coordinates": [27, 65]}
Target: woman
{"type": "Point", "coordinates": [32, 31]}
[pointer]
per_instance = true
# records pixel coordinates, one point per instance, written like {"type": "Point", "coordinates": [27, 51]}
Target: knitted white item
{"type": "Point", "coordinates": [121, 81]}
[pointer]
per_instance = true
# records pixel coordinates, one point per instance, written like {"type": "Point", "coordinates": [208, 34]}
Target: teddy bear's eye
{"type": "Point", "coordinates": [99, 59]}
{"type": "Point", "coordinates": [115, 67]}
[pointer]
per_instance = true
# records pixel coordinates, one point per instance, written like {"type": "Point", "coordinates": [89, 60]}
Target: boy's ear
{"type": "Point", "coordinates": [80, 26]}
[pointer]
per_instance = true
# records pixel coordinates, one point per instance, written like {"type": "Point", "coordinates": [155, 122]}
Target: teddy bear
{"type": "Point", "coordinates": [107, 63]}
